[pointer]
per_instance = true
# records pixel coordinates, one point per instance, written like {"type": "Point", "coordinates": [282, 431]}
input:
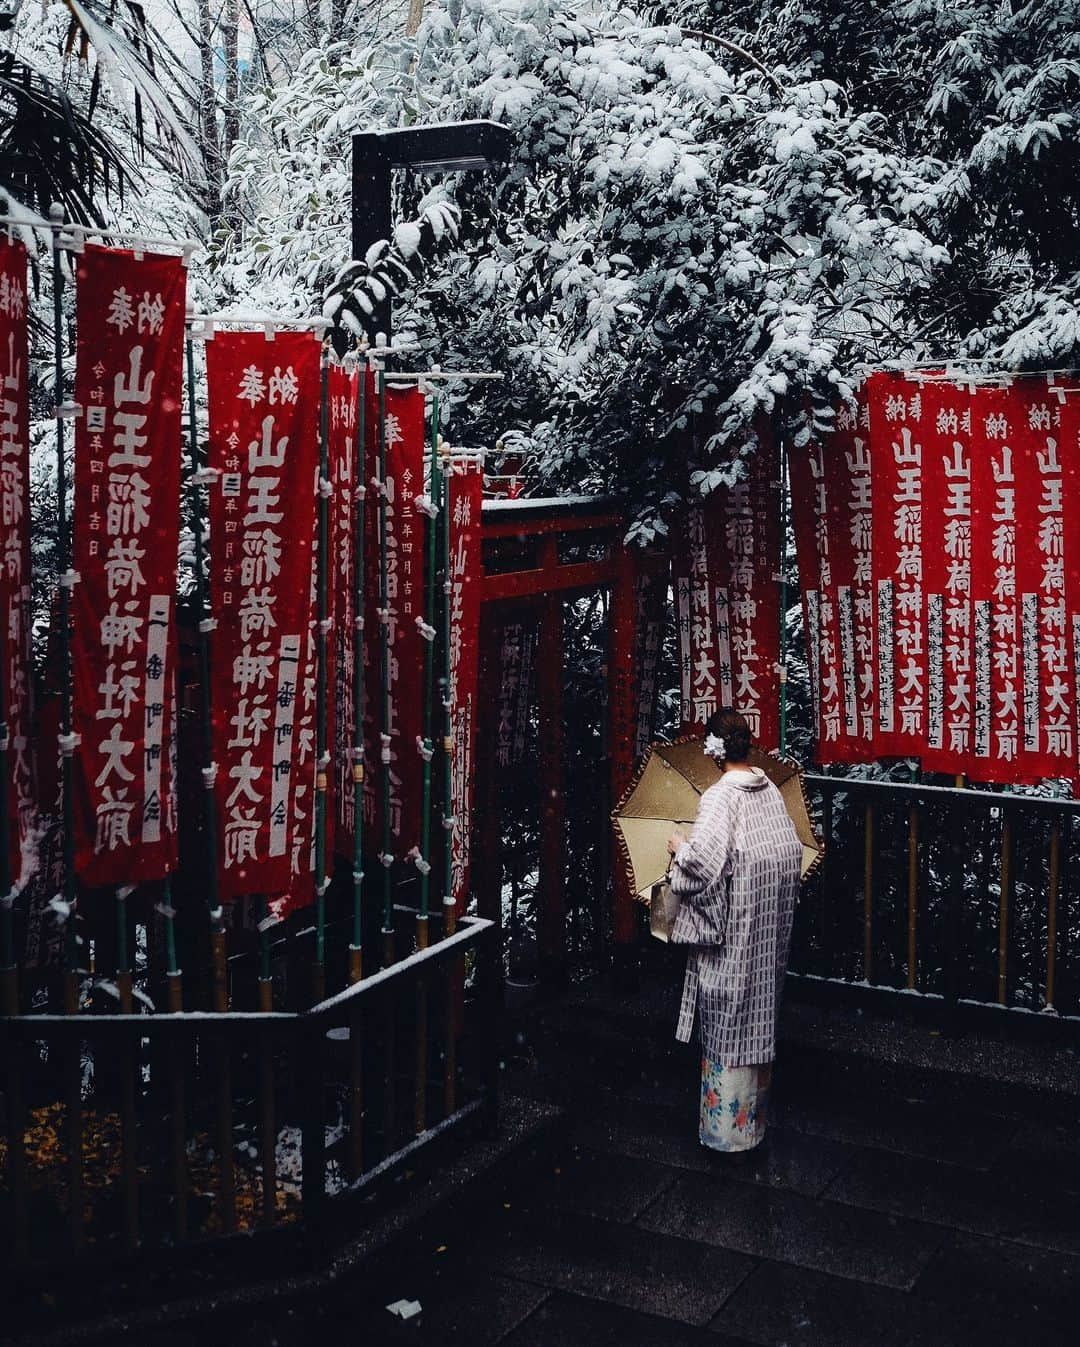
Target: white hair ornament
{"type": "Point", "coordinates": [715, 747]}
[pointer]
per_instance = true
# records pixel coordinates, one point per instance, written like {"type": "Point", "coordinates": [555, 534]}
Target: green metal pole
{"type": "Point", "coordinates": [63, 555]}
{"type": "Point", "coordinates": [321, 756]}
{"type": "Point", "coordinates": [783, 592]}
{"type": "Point", "coordinates": [356, 961]}
{"type": "Point", "coordinates": [384, 625]}
{"type": "Point", "coordinates": [434, 490]}
{"type": "Point", "coordinates": [204, 626]}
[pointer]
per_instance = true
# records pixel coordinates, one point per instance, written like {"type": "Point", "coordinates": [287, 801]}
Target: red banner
{"type": "Point", "coordinates": [995, 620]}
{"type": "Point", "coordinates": [15, 562]}
{"type": "Point", "coordinates": [816, 541]}
{"type": "Point", "coordinates": [945, 436]}
{"type": "Point", "coordinates": [833, 520]}
{"type": "Point", "coordinates": [727, 597]}
{"type": "Point", "coordinates": [465, 498]}
{"type": "Point", "coordinates": [404, 542]}
{"type": "Point", "coordinates": [701, 606]}
{"type": "Point", "coordinates": [264, 446]}
{"type": "Point", "coordinates": [895, 406]}
{"type": "Point", "coordinates": [128, 375]}
{"type": "Point", "coordinates": [517, 678]}
{"type": "Point", "coordinates": [1047, 663]}
{"type": "Point", "coordinates": [976, 568]}
{"type": "Point", "coordinates": [650, 601]}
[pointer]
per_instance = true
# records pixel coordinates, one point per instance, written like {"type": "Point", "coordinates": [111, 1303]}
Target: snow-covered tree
{"type": "Point", "coordinates": [682, 240]}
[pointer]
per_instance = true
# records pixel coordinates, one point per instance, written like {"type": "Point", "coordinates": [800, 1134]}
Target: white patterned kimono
{"type": "Point", "coordinates": [737, 879]}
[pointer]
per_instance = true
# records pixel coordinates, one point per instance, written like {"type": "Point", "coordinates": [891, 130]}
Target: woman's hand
{"type": "Point", "coordinates": [675, 841]}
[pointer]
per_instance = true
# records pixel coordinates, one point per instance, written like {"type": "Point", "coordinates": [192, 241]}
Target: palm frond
{"type": "Point", "coordinates": [50, 151]}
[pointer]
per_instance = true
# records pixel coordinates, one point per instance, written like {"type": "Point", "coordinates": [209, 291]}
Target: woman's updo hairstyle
{"type": "Point", "coordinates": [732, 728]}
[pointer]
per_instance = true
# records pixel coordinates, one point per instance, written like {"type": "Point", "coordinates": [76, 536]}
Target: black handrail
{"type": "Point", "coordinates": [918, 792]}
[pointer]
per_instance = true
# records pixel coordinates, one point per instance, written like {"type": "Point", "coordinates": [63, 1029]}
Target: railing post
{"type": "Point", "coordinates": [1053, 886]}
{"type": "Point", "coordinates": [551, 911]}
{"type": "Point", "coordinates": [129, 1141]}
{"type": "Point", "coordinates": [73, 1119]}
{"type": "Point", "coordinates": [621, 731]}
{"type": "Point", "coordinates": [420, 1065]}
{"type": "Point", "coordinates": [868, 892]}
{"type": "Point", "coordinates": [491, 1009]}
{"type": "Point", "coordinates": [1004, 896]}
{"type": "Point", "coordinates": [913, 897]}
{"type": "Point", "coordinates": [267, 1125]}
{"type": "Point", "coordinates": [827, 799]}
{"type": "Point", "coordinates": [16, 1144]}
{"type": "Point", "coordinates": [953, 905]}
{"type": "Point", "coordinates": [311, 1043]}
{"type": "Point", "coordinates": [224, 1133]}
{"type": "Point", "coordinates": [356, 1091]}
{"type": "Point", "coordinates": [177, 1142]}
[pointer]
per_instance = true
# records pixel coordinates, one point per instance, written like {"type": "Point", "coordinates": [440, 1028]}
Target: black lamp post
{"type": "Point", "coordinates": [450, 148]}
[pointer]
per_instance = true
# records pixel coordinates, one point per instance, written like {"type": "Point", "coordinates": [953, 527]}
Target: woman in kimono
{"type": "Point", "coordinates": [737, 878]}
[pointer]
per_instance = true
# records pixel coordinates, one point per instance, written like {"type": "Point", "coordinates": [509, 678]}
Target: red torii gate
{"type": "Point", "coordinates": [540, 553]}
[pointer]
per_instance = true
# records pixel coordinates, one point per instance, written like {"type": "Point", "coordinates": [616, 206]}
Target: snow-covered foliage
{"type": "Point", "coordinates": [992, 91]}
{"type": "Point", "coordinates": [680, 243]}
{"type": "Point", "coordinates": [694, 232]}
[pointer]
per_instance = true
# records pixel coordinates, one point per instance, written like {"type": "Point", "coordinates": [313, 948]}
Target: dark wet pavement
{"type": "Point", "coordinates": [892, 1205]}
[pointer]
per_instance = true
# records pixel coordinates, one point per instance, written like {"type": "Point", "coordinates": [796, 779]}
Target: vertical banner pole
{"type": "Point", "coordinates": [449, 909]}
{"type": "Point", "coordinates": [782, 672]}
{"type": "Point", "coordinates": [204, 625]}
{"type": "Point", "coordinates": [453, 967]}
{"type": "Point", "coordinates": [424, 858]}
{"type": "Point", "coordinates": [434, 491]}
{"type": "Point", "coordinates": [321, 757]}
{"type": "Point", "coordinates": [63, 550]}
{"type": "Point", "coordinates": [384, 649]}
{"type": "Point", "coordinates": [356, 957]}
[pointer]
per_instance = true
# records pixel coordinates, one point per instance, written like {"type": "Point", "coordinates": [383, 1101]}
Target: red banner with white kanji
{"type": "Point", "coordinates": [128, 373]}
{"type": "Point", "coordinates": [393, 722]}
{"type": "Point", "coordinates": [1040, 425]}
{"type": "Point", "coordinates": [517, 682]}
{"type": "Point", "coordinates": [976, 573]}
{"type": "Point", "coordinates": [464, 496]}
{"type": "Point", "coordinates": [895, 407]}
{"type": "Point", "coordinates": [15, 559]}
{"type": "Point", "coordinates": [264, 450]}
{"type": "Point", "coordinates": [833, 524]}
{"type": "Point", "coordinates": [650, 603]}
{"type": "Point", "coordinates": [945, 437]}
{"type": "Point", "coordinates": [726, 583]}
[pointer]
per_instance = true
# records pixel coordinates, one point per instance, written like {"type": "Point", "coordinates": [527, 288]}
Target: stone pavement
{"type": "Point", "coordinates": [893, 1205]}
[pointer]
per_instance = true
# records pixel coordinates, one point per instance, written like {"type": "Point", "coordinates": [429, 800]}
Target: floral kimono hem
{"type": "Point", "coordinates": [734, 1105]}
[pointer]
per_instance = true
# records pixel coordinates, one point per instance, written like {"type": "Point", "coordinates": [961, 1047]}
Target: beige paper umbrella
{"type": "Point", "coordinates": [664, 797]}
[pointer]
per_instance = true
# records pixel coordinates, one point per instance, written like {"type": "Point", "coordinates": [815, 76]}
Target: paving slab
{"type": "Point", "coordinates": [578, 1181]}
{"type": "Point", "coordinates": [797, 1161]}
{"type": "Point", "coordinates": [918, 1126]}
{"type": "Point", "coordinates": [961, 1199]}
{"type": "Point", "coordinates": [1028, 1295]}
{"type": "Point", "coordinates": [572, 1321]}
{"type": "Point", "coordinates": [1044, 1154]}
{"type": "Point", "coordinates": [796, 1307]}
{"type": "Point", "coordinates": [788, 1228]}
{"type": "Point", "coordinates": [639, 1269]}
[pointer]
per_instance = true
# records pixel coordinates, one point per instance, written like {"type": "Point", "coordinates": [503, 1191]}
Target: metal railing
{"type": "Point", "coordinates": [123, 1132]}
{"type": "Point", "coordinates": [959, 894]}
